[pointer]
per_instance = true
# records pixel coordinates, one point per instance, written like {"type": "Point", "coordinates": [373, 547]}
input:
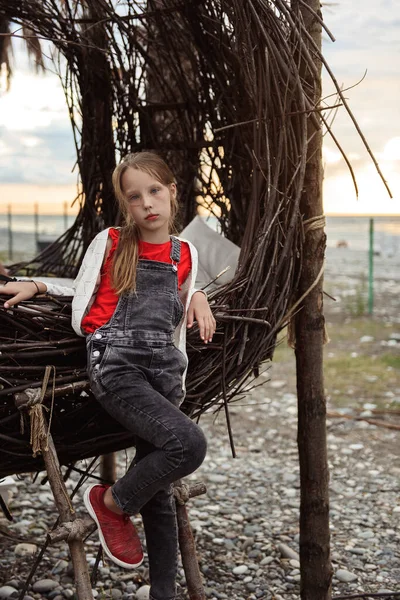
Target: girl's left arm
{"type": "Point", "coordinates": [199, 310]}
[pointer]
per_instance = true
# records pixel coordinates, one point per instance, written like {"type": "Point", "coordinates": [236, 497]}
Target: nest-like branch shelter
{"type": "Point", "coordinates": [213, 86]}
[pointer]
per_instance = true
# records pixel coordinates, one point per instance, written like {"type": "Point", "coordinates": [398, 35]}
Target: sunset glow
{"type": "Point", "coordinates": [37, 152]}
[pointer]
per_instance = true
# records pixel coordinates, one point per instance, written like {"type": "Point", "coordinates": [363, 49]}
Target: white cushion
{"type": "Point", "coordinates": [215, 253]}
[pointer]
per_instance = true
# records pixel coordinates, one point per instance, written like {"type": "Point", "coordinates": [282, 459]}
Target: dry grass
{"type": "Point", "coordinates": [355, 373]}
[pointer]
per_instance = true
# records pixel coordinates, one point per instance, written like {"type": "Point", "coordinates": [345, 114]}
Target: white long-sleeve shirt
{"type": "Point", "coordinates": [86, 284]}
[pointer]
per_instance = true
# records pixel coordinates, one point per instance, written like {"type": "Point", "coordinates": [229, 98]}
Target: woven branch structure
{"type": "Point", "coordinates": [214, 87]}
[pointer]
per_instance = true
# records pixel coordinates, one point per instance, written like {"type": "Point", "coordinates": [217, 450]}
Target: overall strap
{"type": "Point", "coordinates": [175, 255]}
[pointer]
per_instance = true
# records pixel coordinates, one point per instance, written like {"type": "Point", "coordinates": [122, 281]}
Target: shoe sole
{"type": "Point", "coordinates": [92, 513]}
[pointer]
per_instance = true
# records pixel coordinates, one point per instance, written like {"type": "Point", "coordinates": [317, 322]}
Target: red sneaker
{"type": "Point", "coordinates": [117, 533]}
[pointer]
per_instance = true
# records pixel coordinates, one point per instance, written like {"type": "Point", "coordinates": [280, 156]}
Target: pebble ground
{"type": "Point", "coordinates": [246, 526]}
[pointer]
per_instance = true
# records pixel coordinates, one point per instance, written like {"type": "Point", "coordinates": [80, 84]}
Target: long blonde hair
{"type": "Point", "coordinates": [125, 260]}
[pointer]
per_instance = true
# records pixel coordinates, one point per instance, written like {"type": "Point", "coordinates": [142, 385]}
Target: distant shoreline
{"type": "Point", "coordinates": [71, 213]}
{"type": "Point", "coordinates": [364, 215]}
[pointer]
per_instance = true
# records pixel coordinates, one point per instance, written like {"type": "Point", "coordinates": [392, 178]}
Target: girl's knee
{"type": "Point", "coordinates": [187, 450]}
{"type": "Point", "coordinates": [196, 448]}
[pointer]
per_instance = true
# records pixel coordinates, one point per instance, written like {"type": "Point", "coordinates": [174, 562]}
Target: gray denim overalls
{"type": "Point", "coordinates": [135, 372]}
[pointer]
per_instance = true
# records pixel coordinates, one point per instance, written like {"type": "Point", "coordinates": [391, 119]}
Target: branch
{"type": "Point", "coordinates": [333, 415]}
{"type": "Point", "coordinates": [368, 595]}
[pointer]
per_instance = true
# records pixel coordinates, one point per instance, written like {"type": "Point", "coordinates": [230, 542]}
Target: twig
{"type": "Point", "coordinates": [225, 317]}
{"type": "Point", "coordinates": [225, 398]}
{"type": "Point", "coordinates": [368, 595]}
{"type": "Point", "coordinates": [333, 415]}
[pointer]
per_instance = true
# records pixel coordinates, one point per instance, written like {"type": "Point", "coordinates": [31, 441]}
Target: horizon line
{"type": "Point", "coordinates": [71, 212]}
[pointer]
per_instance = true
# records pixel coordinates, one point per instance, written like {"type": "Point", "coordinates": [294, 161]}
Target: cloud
{"type": "Point", "coordinates": [367, 36]}
{"type": "Point", "coordinates": [36, 144]}
{"type": "Point", "coordinates": [45, 157]}
{"type": "Point", "coordinates": [367, 39]}
{"type": "Point", "coordinates": [339, 191]}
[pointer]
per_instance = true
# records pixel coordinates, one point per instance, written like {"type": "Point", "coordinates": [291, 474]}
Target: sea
{"type": "Point", "coordinates": [352, 232]}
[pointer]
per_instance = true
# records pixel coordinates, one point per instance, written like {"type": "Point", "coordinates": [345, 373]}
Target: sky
{"type": "Point", "coordinates": [37, 152]}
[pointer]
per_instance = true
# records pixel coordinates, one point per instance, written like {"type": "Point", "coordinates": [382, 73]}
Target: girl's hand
{"type": "Point", "coordinates": [199, 310]}
{"type": "Point", "coordinates": [21, 290]}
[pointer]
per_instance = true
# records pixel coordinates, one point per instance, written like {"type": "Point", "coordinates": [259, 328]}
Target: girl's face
{"type": "Point", "coordinates": [149, 204]}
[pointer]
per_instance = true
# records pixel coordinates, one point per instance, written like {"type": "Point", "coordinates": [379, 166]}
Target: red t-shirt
{"type": "Point", "coordinates": [106, 299]}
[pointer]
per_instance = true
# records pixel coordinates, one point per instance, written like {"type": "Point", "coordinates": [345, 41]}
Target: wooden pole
{"type": "Point", "coordinates": [315, 563]}
{"type": "Point", "coordinates": [63, 503]}
{"type": "Point", "coordinates": [71, 529]}
{"type": "Point", "coordinates": [108, 468]}
{"type": "Point", "coordinates": [186, 540]}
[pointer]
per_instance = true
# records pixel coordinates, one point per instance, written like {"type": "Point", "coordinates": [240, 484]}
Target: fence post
{"type": "Point", "coordinates": [36, 225]}
{"type": "Point", "coordinates": [65, 216]}
{"type": "Point", "coordinates": [371, 268]}
{"type": "Point", "coordinates": [10, 234]}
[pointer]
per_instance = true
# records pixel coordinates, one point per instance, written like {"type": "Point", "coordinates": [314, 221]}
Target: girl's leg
{"type": "Point", "coordinates": [178, 448]}
{"type": "Point", "coordinates": [180, 445]}
{"type": "Point", "coordinates": [159, 521]}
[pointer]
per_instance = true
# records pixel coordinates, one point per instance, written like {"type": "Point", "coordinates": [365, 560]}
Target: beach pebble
{"type": "Point", "coordinates": [143, 593]}
{"type": "Point", "coordinates": [287, 552]}
{"type": "Point", "coordinates": [345, 576]}
{"type": "Point", "coordinates": [391, 343]}
{"type": "Point", "coordinates": [60, 566]}
{"type": "Point", "coordinates": [25, 549]}
{"type": "Point", "coordinates": [294, 563]}
{"type": "Point", "coordinates": [7, 590]}
{"type": "Point", "coordinates": [217, 478]}
{"type": "Point", "coordinates": [44, 585]}
{"type": "Point", "coordinates": [237, 517]}
{"type": "Point", "coordinates": [359, 551]}
{"type": "Point", "coordinates": [277, 384]}
{"type": "Point", "coordinates": [240, 570]}
{"type": "Point", "coordinates": [366, 535]}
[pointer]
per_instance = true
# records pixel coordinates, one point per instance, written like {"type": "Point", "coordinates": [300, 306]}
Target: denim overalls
{"type": "Point", "coordinates": [135, 372]}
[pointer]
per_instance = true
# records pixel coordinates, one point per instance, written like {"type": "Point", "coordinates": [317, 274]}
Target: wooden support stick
{"type": "Point", "coordinates": [186, 540]}
{"type": "Point", "coordinates": [64, 507]}
{"type": "Point", "coordinates": [72, 530]}
{"type": "Point", "coordinates": [67, 515]}
{"type": "Point", "coordinates": [108, 468]}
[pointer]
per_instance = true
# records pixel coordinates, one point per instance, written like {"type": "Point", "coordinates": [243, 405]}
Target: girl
{"type": "Point", "coordinates": [133, 298]}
